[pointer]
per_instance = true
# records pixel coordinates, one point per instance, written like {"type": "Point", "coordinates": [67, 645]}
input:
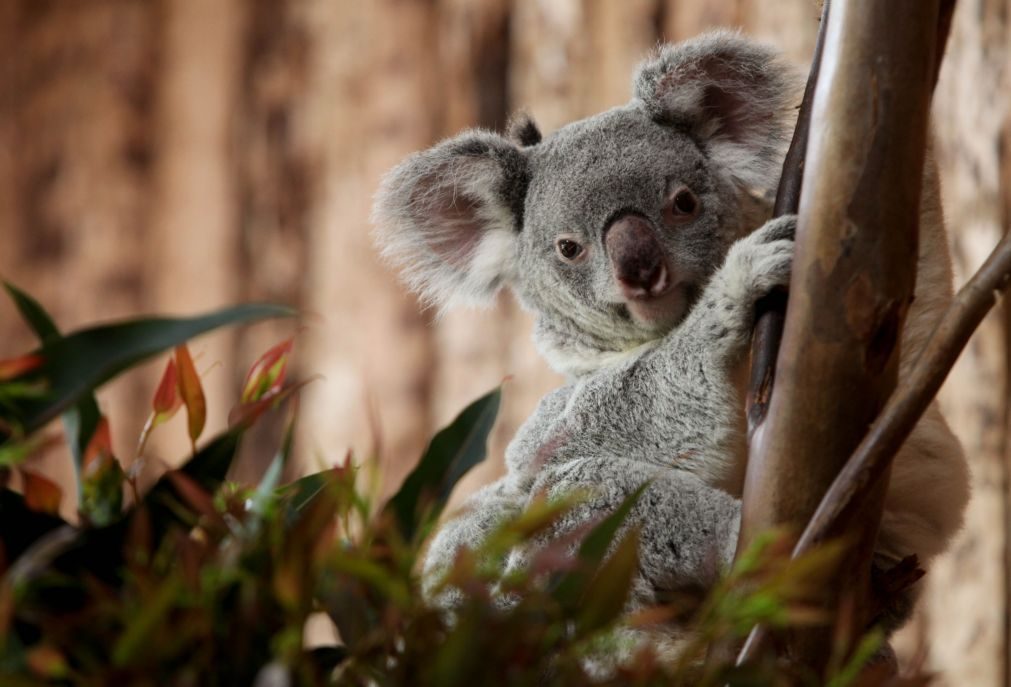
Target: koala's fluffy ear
{"type": "Point", "coordinates": [450, 217]}
{"type": "Point", "coordinates": [736, 96]}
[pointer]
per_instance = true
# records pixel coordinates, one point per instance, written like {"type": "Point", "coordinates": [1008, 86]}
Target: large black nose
{"type": "Point", "coordinates": [637, 258]}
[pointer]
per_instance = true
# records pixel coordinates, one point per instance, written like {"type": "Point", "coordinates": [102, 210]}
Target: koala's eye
{"type": "Point", "coordinates": [569, 249]}
{"type": "Point", "coordinates": [685, 202]}
{"type": "Point", "coordinates": [682, 205]}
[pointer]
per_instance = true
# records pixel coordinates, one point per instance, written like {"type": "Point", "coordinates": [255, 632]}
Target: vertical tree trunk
{"type": "Point", "coordinates": [856, 261]}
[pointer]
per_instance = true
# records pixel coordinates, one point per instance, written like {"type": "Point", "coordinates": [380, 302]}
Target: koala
{"type": "Point", "coordinates": [640, 240]}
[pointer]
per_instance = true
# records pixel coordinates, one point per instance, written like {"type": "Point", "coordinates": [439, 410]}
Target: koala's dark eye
{"type": "Point", "coordinates": [684, 202]}
{"type": "Point", "coordinates": [682, 205]}
{"type": "Point", "coordinates": [569, 249]}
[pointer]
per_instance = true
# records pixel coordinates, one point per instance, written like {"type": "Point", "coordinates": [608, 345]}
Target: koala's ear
{"type": "Point", "coordinates": [450, 217]}
{"type": "Point", "coordinates": [737, 97]}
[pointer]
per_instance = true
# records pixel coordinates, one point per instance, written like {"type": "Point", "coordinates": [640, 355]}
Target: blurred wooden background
{"type": "Point", "coordinates": [179, 155]}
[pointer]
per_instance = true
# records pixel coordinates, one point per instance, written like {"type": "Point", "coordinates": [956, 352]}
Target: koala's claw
{"type": "Point", "coordinates": [760, 262]}
{"type": "Point", "coordinates": [780, 229]}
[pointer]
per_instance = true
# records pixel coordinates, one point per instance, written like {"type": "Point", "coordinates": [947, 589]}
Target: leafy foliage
{"type": "Point", "coordinates": [204, 581]}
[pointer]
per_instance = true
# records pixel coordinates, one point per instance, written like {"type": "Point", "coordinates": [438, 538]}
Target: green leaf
{"type": "Point", "coordinates": [266, 495]}
{"type": "Point", "coordinates": [76, 364]}
{"type": "Point", "coordinates": [868, 646]}
{"type": "Point", "coordinates": [102, 492]}
{"type": "Point", "coordinates": [33, 313]}
{"type": "Point", "coordinates": [452, 452]}
{"type": "Point", "coordinates": [13, 453]}
{"type": "Point", "coordinates": [605, 595]}
{"type": "Point", "coordinates": [145, 627]}
{"type": "Point", "coordinates": [568, 589]}
{"type": "Point", "coordinates": [100, 550]}
{"type": "Point", "coordinates": [79, 422]}
{"type": "Point", "coordinates": [299, 495]}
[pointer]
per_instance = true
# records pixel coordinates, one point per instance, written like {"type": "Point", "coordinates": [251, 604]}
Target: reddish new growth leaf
{"type": "Point", "coordinates": [99, 449]}
{"type": "Point", "coordinates": [167, 399]}
{"type": "Point", "coordinates": [166, 403]}
{"type": "Point", "coordinates": [101, 479]}
{"type": "Point", "coordinates": [266, 376]}
{"type": "Point", "coordinates": [41, 493]}
{"type": "Point", "coordinates": [15, 367]}
{"type": "Point", "coordinates": [263, 387]}
{"type": "Point", "coordinates": [192, 393]}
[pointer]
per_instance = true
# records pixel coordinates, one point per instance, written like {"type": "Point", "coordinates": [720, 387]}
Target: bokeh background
{"type": "Point", "coordinates": [179, 155]}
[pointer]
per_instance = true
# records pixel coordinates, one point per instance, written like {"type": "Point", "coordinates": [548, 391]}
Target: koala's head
{"type": "Point", "coordinates": [608, 228]}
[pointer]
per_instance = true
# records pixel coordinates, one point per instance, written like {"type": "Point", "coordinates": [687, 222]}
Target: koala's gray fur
{"type": "Point", "coordinates": [651, 392]}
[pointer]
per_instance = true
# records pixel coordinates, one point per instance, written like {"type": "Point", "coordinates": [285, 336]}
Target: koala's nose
{"type": "Point", "coordinates": [637, 258]}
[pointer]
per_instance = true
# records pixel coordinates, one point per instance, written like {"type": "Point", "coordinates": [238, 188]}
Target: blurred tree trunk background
{"type": "Point", "coordinates": [179, 155]}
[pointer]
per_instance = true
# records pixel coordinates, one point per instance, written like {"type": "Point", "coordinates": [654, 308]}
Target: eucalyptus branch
{"type": "Point", "coordinates": [858, 480]}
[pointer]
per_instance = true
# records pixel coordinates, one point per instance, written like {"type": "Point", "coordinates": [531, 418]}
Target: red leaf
{"type": "Point", "coordinates": [246, 414]}
{"type": "Point", "coordinates": [15, 367]}
{"type": "Point", "coordinates": [191, 391]}
{"type": "Point", "coordinates": [41, 493]}
{"type": "Point", "coordinates": [196, 496]}
{"type": "Point", "coordinates": [266, 376]}
{"type": "Point", "coordinates": [166, 403]}
{"type": "Point", "coordinates": [166, 399]}
{"type": "Point", "coordinates": [100, 445]}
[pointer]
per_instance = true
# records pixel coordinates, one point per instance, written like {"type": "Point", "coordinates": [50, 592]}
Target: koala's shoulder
{"type": "Point", "coordinates": [539, 431]}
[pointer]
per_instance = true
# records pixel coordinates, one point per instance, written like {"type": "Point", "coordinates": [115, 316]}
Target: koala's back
{"type": "Point", "coordinates": [929, 484]}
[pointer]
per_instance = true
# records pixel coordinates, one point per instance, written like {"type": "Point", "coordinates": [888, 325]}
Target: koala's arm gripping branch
{"type": "Point", "coordinates": [852, 281]}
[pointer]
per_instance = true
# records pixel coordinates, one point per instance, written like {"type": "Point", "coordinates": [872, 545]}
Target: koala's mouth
{"type": "Point", "coordinates": [664, 311]}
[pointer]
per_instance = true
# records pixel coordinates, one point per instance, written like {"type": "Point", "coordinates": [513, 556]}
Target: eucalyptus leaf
{"type": "Point", "coordinates": [452, 452]}
{"type": "Point", "coordinates": [568, 588]}
{"type": "Point", "coordinates": [80, 421]}
{"type": "Point", "coordinates": [76, 364]}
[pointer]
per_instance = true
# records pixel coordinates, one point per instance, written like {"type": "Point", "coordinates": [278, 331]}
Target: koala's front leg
{"type": "Point", "coordinates": [688, 530]}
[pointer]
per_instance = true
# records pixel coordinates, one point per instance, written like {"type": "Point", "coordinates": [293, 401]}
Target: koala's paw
{"type": "Point", "coordinates": [754, 266]}
{"type": "Point", "coordinates": [759, 263]}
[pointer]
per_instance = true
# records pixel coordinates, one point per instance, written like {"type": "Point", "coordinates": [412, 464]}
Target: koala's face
{"type": "Point", "coordinates": [624, 220]}
{"type": "Point", "coordinates": [608, 228]}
